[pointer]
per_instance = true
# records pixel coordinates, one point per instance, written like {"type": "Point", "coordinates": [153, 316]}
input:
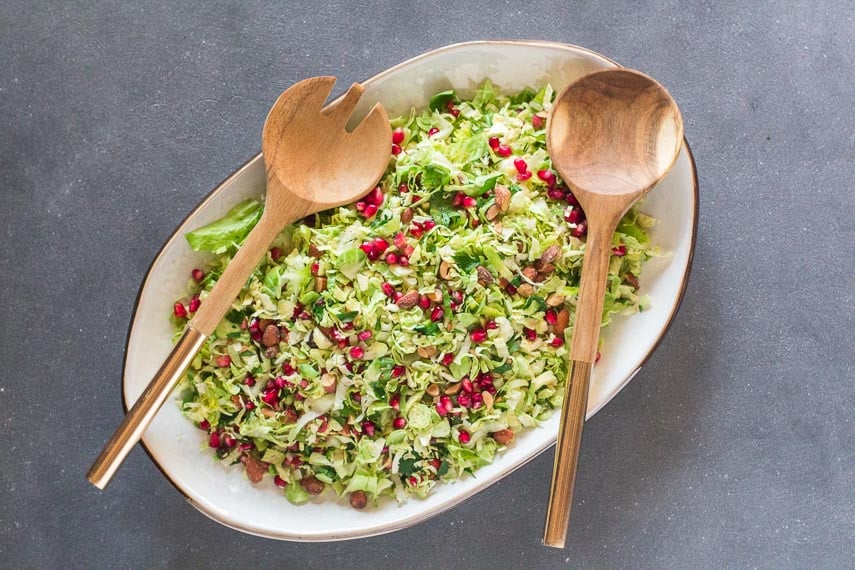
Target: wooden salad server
{"type": "Point", "coordinates": [313, 164]}
{"type": "Point", "coordinates": [612, 136]}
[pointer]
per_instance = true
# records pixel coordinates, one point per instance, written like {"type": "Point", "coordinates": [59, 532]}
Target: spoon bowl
{"type": "Point", "coordinates": [612, 136]}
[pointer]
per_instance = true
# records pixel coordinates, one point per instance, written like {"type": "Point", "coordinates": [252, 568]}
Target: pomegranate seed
{"type": "Point", "coordinates": [503, 150]}
{"type": "Point", "coordinates": [618, 251]}
{"type": "Point", "coordinates": [367, 248]}
{"type": "Point", "coordinates": [195, 303]}
{"type": "Point", "coordinates": [417, 232]}
{"type": "Point", "coordinates": [547, 176]}
{"type": "Point", "coordinates": [269, 397]}
{"type": "Point", "coordinates": [574, 216]}
{"type": "Point", "coordinates": [428, 225]}
{"type": "Point", "coordinates": [437, 314]}
{"type": "Point", "coordinates": [484, 382]}
{"type": "Point", "coordinates": [477, 400]}
{"type": "Point", "coordinates": [447, 359]}
{"type": "Point", "coordinates": [249, 406]}
{"type": "Point", "coordinates": [304, 383]}
{"type": "Point", "coordinates": [491, 325]}
{"type": "Point", "coordinates": [463, 437]}
{"type": "Point", "coordinates": [466, 384]}
{"type": "Point", "coordinates": [280, 382]}
{"type": "Point", "coordinates": [245, 446]}
{"type": "Point", "coordinates": [368, 428]}
{"type": "Point", "coordinates": [469, 202]}
{"type": "Point", "coordinates": [375, 197]}
{"type": "Point", "coordinates": [457, 296]}
{"type": "Point", "coordinates": [458, 199]}
{"type": "Point", "coordinates": [555, 193]}
{"type": "Point", "coordinates": [279, 482]}
{"type": "Point", "coordinates": [288, 369]}
{"type": "Point", "coordinates": [315, 268]}
{"type": "Point", "coordinates": [387, 288]}
{"type": "Point", "coordinates": [400, 240]}
{"type": "Point", "coordinates": [557, 341]}
{"type": "Point", "coordinates": [445, 402]}
{"type": "Point", "coordinates": [223, 361]}
{"type": "Point", "coordinates": [403, 188]}
{"type": "Point", "coordinates": [214, 439]}
{"type": "Point", "coordinates": [412, 480]}
{"type": "Point", "coordinates": [530, 334]}
{"type": "Point", "coordinates": [397, 372]}
{"type": "Point", "coordinates": [230, 441]}
{"type": "Point", "coordinates": [520, 165]}
{"type": "Point", "coordinates": [380, 244]}
{"type": "Point", "coordinates": [571, 199]}
{"type": "Point", "coordinates": [399, 423]}
{"type": "Point", "coordinates": [493, 142]}
{"type": "Point", "coordinates": [364, 335]}
{"type": "Point", "coordinates": [580, 230]}
{"type": "Point", "coordinates": [357, 352]}
{"type": "Point", "coordinates": [275, 253]}
{"type": "Point", "coordinates": [397, 296]}
{"type": "Point", "coordinates": [436, 463]}
{"type": "Point", "coordinates": [440, 409]}
{"type": "Point", "coordinates": [205, 425]}
{"type": "Point", "coordinates": [179, 311]}
{"type": "Point", "coordinates": [464, 400]}
{"type": "Point", "coordinates": [305, 315]}
{"type": "Point", "coordinates": [249, 381]}
{"type": "Point", "coordinates": [551, 316]}
{"type": "Point", "coordinates": [524, 176]}
{"type": "Point", "coordinates": [537, 122]}
{"type": "Point", "coordinates": [198, 274]}
{"type": "Point", "coordinates": [452, 109]}
{"type": "Point", "coordinates": [432, 131]}
{"type": "Point", "coordinates": [395, 402]}
{"type": "Point", "coordinates": [511, 289]}
{"type": "Point", "coordinates": [342, 343]}
{"type": "Point", "coordinates": [492, 390]}
{"type": "Point", "coordinates": [478, 335]}
{"type": "Point", "coordinates": [424, 302]}
{"type": "Point", "coordinates": [360, 206]}
{"type": "Point", "coordinates": [396, 149]}
{"type": "Point", "coordinates": [391, 258]}
{"type": "Point", "coordinates": [397, 136]}
{"type": "Point", "coordinates": [370, 211]}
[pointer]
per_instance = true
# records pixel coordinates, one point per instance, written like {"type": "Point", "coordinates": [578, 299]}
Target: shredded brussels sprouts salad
{"type": "Point", "coordinates": [388, 345]}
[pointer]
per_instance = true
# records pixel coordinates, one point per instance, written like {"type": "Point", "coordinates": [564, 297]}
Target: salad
{"type": "Point", "coordinates": [385, 346]}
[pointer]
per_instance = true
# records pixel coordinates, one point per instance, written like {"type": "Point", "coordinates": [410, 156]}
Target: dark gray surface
{"type": "Point", "coordinates": [733, 447]}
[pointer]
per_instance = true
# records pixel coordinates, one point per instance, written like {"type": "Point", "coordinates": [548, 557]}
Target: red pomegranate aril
{"type": "Point", "coordinates": [214, 439]}
{"type": "Point", "coordinates": [364, 335]}
{"type": "Point", "coordinates": [280, 382]}
{"type": "Point", "coordinates": [468, 202]}
{"type": "Point", "coordinates": [511, 290]}
{"type": "Point", "coordinates": [205, 425]}
{"type": "Point", "coordinates": [537, 122]}
{"type": "Point", "coordinates": [557, 341]}
{"type": "Point", "coordinates": [403, 188]}
{"type": "Point", "coordinates": [395, 402]}
{"type": "Point", "coordinates": [230, 441]}
{"type": "Point", "coordinates": [451, 108]}
{"type": "Point", "coordinates": [493, 142]}
{"type": "Point", "coordinates": [520, 165]}
{"type": "Point", "coordinates": [370, 210]}
{"type": "Point", "coordinates": [249, 406]}
{"type": "Point", "coordinates": [580, 230]}
{"type": "Point", "coordinates": [417, 232]}
{"type": "Point", "coordinates": [288, 369]}
{"type": "Point", "coordinates": [432, 131]}
{"type": "Point", "coordinates": [478, 335]}
{"type": "Point", "coordinates": [466, 385]}
{"type": "Point", "coordinates": [246, 446]}
{"type": "Point", "coordinates": [223, 360]}
{"type": "Point", "coordinates": [574, 216]}
{"type": "Point", "coordinates": [424, 302]}
{"type": "Point", "coordinates": [464, 400]}
{"type": "Point", "coordinates": [375, 197]}
{"type": "Point", "coordinates": [396, 149]}
{"type": "Point", "coordinates": [368, 428]}
{"type": "Point", "coordinates": [360, 206]}
{"type": "Point", "coordinates": [314, 268]}
{"type": "Point", "coordinates": [437, 314]}
{"type": "Point", "coordinates": [530, 334]}
{"type": "Point", "coordinates": [618, 251]}
{"type": "Point", "coordinates": [457, 296]}
{"type": "Point", "coordinates": [551, 316]}
{"type": "Point", "coordinates": [275, 253]}
{"type": "Point", "coordinates": [269, 397]}
{"type": "Point", "coordinates": [440, 409]}
{"type": "Point", "coordinates": [446, 402]}
{"type": "Point", "coordinates": [387, 289]}
{"type": "Point", "coordinates": [397, 296]}
{"type": "Point", "coordinates": [397, 136]}
{"type": "Point", "coordinates": [279, 482]}
{"type": "Point", "coordinates": [547, 176]}
{"type": "Point", "coordinates": [524, 176]}
{"type": "Point", "coordinates": [492, 390]}
{"type": "Point", "coordinates": [397, 372]}
{"type": "Point", "coordinates": [555, 194]}
{"type": "Point", "coordinates": [503, 150]}
{"type": "Point", "coordinates": [179, 311]}
{"type": "Point", "coordinates": [477, 400]}
{"type": "Point", "coordinates": [458, 199]}
{"type": "Point", "coordinates": [463, 437]}
{"type": "Point", "coordinates": [391, 259]}
{"type": "Point", "coordinates": [380, 244]}
{"type": "Point", "coordinates": [249, 381]}
{"type": "Point", "coordinates": [412, 480]}
{"type": "Point", "coordinates": [399, 423]}
{"type": "Point", "coordinates": [491, 325]}
{"type": "Point", "coordinates": [357, 352]}
{"type": "Point", "coordinates": [342, 343]}
{"type": "Point", "coordinates": [447, 359]}
{"type": "Point", "coordinates": [428, 225]}
{"type": "Point", "coordinates": [197, 274]}
{"type": "Point", "coordinates": [571, 199]}
{"type": "Point", "coordinates": [367, 248]}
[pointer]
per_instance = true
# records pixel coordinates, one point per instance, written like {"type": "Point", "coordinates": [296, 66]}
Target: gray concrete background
{"type": "Point", "coordinates": [732, 448]}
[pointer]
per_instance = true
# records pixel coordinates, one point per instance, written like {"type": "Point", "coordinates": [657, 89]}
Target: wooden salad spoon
{"type": "Point", "coordinates": [313, 164]}
{"type": "Point", "coordinates": [612, 136]}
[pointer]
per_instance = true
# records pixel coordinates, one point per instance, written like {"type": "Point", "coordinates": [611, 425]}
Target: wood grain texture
{"type": "Point", "coordinates": [312, 164]}
{"type": "Point", "coordinates": [612, 136]}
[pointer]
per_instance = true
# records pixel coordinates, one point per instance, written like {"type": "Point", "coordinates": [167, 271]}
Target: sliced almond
{"type": "Point", "coordinates": [503, 197]}
{"type": "Point", "coordinates": [328, 381]}
{"type": "Point", "coordinates": [255, 468]}
{"type": "Point", "coordinates": [432, 390]}
{"type": "Point", "coordinates": [484, 276]}
{"type": "Point", "coordinates": [562, 319]}
{"type": "Point", "coordinates": [444, 269]}
{"type": "Point", "coordinates": [409, 300]}
{"type": "Point", "coordinates": [529, 273]}
{"type": "Point", "coordinates": [488, 399]}
{"type": "Point", "coordinates": [546, 269]}
{"type": "Point", "coordinates": [492, 212]}
{"type": "Point", "coordinates": [453, 389]}
{"type": "Point", "coordinates": [427, 351]}
{"type": "Point", "coordinates": [407, 216]}
{"type": "Point", "coordinates": [320, 284]}
{"type": "Point", "coordinates": [525, 290]}
{"type": "Point", "coordinates": [435, 296]}
{"type": "Point", "coordinates": [555, 299]}
{"type": "Point", "coordinates": [552, 253]}
{"type": "Point", "coordinates": [504, 436]}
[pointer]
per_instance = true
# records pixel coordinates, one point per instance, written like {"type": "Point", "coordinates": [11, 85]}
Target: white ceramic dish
{"type": "Point", "coordinates": [226, 495]}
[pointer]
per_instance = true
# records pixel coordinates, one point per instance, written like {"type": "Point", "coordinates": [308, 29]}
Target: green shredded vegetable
{"type": "Point", "coordinates": [377, 356]}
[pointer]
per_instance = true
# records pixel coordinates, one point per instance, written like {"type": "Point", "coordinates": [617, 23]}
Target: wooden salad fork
{"type": "Point", "coordinates": [312, 164]}
{"type": "Point", "coordinates": [613, 135]}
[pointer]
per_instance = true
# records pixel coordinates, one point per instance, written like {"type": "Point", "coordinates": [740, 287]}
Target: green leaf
{"type": "Point", "coordinates": [228, 231]}
{"type": "Point", "coordinates": [443, 211]}
{"type": "Point", "coordinates": [441, 99]}
{"type": "Point", "coordinates": [351, 261]}
{"type": "Point", "coordinates": [466, 262]}
{"type": "Point", "coordinates": [407, 465]}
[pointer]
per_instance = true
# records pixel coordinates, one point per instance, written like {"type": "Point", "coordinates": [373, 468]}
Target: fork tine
{"type": "Point", "coordinates": [314, 92]}
{"type": "Point", "coordinates": [340, 112]}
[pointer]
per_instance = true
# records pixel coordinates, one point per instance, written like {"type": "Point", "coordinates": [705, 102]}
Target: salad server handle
{"type": "Point", "coordinates": [205, 321]}
{"type": "Point", "coordinates": [586, 334]}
